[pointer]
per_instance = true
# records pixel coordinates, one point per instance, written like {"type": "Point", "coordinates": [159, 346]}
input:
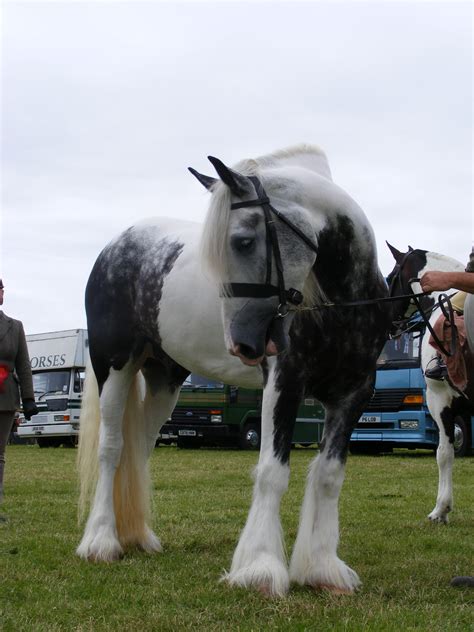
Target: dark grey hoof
{"type": "Point", "coordinates": [467, 580]}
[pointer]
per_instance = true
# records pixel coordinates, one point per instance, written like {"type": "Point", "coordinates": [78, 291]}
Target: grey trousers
{"type": "Point", "coordinates": [469, 320]}
{"type": "Point", "coordinates": [6, 422]}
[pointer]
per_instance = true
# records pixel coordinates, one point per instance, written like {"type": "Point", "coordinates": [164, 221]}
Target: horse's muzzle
{"type": "Point", "coordinates": [253, 340]}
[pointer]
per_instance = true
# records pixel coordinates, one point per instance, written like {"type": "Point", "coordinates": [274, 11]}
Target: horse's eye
{"type": "Point", "coordinates": [242, 244]}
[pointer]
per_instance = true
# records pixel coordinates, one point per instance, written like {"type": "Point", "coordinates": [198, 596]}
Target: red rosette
{"type": "Point", "coordinates": [4, 372]}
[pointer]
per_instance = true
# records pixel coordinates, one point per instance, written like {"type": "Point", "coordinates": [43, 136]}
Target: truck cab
{"type": "Point", "coordinates": [397, 415]}
{"type": "Point", "coordinates": [213, 413]}
{"type": "Point", "coordinates": [58, 360]}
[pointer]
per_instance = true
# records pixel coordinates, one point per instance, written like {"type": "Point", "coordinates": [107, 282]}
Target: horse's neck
{"type": "Point", "coordinates": [442, 263]}
{"type": "Point", "coordinates": [438, 263]}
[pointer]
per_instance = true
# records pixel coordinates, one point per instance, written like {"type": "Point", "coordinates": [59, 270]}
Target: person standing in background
{"type": "Point", "coordinates": [15, 379]}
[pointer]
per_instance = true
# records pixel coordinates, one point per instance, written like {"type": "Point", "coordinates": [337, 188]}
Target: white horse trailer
{"type": "Point", "coordinates": [58, 360]}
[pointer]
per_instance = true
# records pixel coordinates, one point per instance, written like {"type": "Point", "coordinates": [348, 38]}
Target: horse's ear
{"type": "Point", "coordinates": [397, 255]}
{"type": "Point", "coordinates": [410, 249]}
{"type": "Point", "coordinates": [237, 183]}
{"type": "Point", "coordinates": [206, 181]}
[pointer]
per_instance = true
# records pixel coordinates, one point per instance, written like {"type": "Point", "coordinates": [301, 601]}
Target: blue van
{"type": "Point", "coordinates": [397, 415]}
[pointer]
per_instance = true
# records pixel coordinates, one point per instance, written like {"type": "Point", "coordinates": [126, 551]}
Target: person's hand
{"type": "Point", "coordinates": [436, 281]}
{"type": "Point", "coordinates": [29, 408]}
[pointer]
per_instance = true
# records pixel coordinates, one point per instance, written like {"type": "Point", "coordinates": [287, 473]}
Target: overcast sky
{"type": "Point", "coordinates": [105, 104]}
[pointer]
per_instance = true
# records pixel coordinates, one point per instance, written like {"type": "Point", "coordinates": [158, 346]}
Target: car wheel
{"type": "Point", "coordinates": [461, 437]}
{"type": "Point", "coordinates": [250, 436]}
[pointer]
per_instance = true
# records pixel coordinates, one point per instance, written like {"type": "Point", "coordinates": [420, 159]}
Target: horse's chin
{"type": "Point", "coordinates": [270, 350]}
{"type": "Point", "coordinates": [250, 361]}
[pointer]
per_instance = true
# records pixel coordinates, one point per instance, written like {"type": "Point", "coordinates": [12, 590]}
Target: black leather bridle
{"type": "Point", "coordinates": [267, 290]}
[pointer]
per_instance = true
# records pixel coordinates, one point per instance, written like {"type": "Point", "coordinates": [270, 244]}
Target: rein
{"type": "Point", "coordinates": [367, 301]}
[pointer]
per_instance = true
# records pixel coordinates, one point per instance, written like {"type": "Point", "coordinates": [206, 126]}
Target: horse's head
{"type": "Point", "coordinates": [261, 260]}
{"type": "Point", "coordinates": [403, 280]}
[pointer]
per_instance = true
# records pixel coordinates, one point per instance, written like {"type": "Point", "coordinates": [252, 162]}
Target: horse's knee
{"type": "Point", "coordinates": [444, 453]}
{"type": "Point", "coordinates": [271, 477]}
{"type": "Point", "coordinates": [329, 476]}
{"type": "Point", "coordinates": [110, 444]}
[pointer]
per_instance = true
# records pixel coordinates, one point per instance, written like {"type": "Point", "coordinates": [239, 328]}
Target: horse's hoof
{"type": "Point", "coordinates": [107, 559]}
{"type": "Point", "coordinates": [100, 550]}
{"type": "Point", "coordinates": [266, 591]}
{"type": "Point", "coordinates": [327, 573]}
{"type": "Point", "coordinates": [438, 518]}
{"type": "Point", "coordinates": [150, 543]}
{"type": "Point", "coordinates": [266, 574]}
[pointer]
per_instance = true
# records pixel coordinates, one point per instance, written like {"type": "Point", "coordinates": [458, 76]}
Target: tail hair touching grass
{"type": "Point", "coordinates": [132, 480]}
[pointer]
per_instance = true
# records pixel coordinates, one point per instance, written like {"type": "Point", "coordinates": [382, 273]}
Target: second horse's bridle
{"type": "Point", "coordinates": [444, 304]}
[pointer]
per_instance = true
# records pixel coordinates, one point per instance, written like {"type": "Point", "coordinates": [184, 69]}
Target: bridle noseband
{"type": "Point", "coordinates": [267, 290]}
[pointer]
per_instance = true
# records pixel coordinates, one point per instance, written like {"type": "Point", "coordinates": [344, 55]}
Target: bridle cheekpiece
{"type": "Point", "coordinates": [267, 290]}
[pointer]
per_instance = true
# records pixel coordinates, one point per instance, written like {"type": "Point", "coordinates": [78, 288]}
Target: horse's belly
{"type": "Point", "coordinates": [191, 330]}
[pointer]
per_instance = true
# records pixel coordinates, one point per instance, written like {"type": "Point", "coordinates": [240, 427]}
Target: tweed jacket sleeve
{"type": "Point", "coordinates": [23, 366]}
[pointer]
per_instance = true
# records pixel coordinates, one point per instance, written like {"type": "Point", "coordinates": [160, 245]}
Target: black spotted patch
{"type": "Point", "coordinates": [123, 298]}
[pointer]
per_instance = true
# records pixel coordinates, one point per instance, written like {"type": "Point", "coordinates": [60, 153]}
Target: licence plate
{"type": "Point", "coordinates": [38, 429]}
{"type": "Point", "coordinates": [370, 419]}
{"type": "Point", "coordinates": [187, 433]}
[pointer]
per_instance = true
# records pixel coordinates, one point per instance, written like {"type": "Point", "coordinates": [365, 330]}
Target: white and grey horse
{"type": "Point", "coordinates": [449, 407]}
{"type": "Point", "coordinates": [279, 236]}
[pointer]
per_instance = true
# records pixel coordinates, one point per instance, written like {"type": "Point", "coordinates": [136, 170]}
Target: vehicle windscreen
{"type": "Point", "coordinates": [51, 383]}
{"type": "Point", "coordinates": [197, 381]}
{"type": "Point", "coordinates": [400, 352]}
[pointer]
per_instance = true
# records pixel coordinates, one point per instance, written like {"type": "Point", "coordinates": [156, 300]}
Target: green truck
{"type": "Point", "coordinates": [214, 414]}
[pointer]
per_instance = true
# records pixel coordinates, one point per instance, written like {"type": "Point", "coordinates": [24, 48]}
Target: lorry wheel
{"type": "Point", "coordinates": [461, 437]}
{"type": "Point", "coordinates": [250, 437]}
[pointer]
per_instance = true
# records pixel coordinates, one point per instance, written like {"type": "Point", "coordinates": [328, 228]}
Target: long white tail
{"type": "Point", "coordinates": [131, 483]}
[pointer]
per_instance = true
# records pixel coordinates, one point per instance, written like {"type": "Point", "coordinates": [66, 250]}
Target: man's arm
{"type": "Point", "coordinates": [441, 281]}
{"type": "Point", "coordinates": [23, 367]}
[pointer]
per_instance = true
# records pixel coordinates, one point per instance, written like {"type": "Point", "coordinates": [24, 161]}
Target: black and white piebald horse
{"type": "Point", "coordinates": [279, 236]}
{"type": "Point", "coordinates": [449, 407]}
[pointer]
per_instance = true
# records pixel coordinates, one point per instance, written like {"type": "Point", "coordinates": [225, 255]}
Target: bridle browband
{"type": "Point", "coordinates": [267, 290]}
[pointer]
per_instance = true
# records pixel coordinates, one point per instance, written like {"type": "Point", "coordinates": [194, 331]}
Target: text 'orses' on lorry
{"type": "Point", "coordinates": [58, 361]}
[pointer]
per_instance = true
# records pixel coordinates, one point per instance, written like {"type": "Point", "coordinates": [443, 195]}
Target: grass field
{"type": "Point", "coordinates": [201, 500]}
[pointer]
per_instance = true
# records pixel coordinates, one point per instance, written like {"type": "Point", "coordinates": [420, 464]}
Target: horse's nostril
{"type": "Point", "coordinates": [247, 351]}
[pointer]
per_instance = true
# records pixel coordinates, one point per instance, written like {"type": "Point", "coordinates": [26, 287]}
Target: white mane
{"type": "Point", "coordinates": [309, 156]}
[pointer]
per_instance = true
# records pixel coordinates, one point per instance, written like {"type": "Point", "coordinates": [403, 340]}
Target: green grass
{"type": "Point", "coordinates": [201, 500]}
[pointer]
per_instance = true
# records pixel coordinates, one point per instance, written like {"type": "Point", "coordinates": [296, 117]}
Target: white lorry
{"type": "Point", "coordinates": [58, 360]}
